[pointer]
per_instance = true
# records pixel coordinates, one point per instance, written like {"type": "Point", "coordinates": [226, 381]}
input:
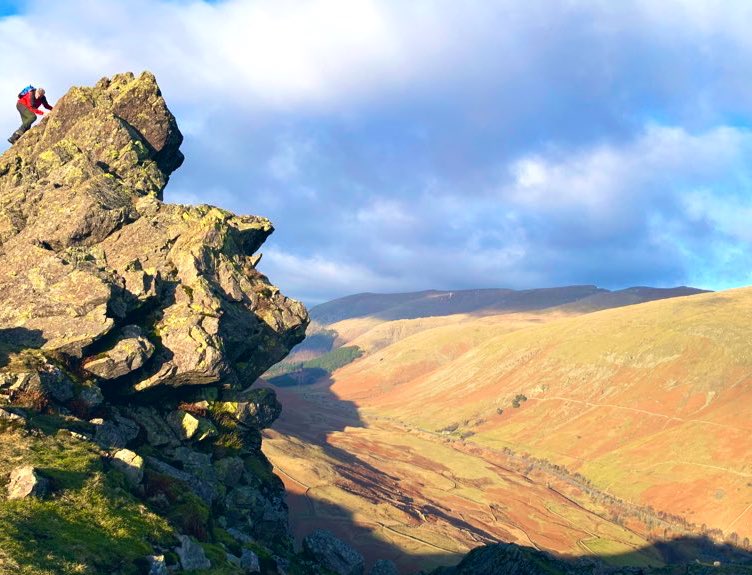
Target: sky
{"type": "Point", "coordinates": [435, 144]}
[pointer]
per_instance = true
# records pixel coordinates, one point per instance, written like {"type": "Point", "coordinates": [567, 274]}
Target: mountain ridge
{"type": "Point", "coordinates": [412, 305]}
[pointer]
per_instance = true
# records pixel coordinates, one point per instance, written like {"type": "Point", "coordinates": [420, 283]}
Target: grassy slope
{"type": "Point", "coordinates": [652, 402]}
{"type": "Point", "coordinates": [91, 522]}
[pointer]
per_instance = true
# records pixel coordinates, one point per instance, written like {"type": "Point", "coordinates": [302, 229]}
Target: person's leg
{"type": "Point", "coordinates": [27, 119]}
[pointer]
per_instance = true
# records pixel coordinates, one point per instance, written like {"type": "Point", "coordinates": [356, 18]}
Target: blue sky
{"type": "Point", "coordinates": [435, 144]}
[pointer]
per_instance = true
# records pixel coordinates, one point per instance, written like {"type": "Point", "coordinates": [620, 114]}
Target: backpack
{"type": "Point", "coordinates": [25, 91]}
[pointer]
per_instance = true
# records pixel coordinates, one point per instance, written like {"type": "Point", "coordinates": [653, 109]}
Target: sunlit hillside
{"type": "Point", "coordinates": [575, 431]}
{"type": "Point", "coordinates": [652, 403]}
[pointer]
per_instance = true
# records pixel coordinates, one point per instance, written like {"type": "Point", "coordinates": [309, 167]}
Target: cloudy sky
{"type": "Point", "coordinates": [440, 144]}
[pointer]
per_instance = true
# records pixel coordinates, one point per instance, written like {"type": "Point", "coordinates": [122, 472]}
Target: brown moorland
{"type": "Point", "coordinates": [630, 426]}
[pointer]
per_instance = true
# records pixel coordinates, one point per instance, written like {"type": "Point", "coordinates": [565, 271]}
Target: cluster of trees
{"type": "Point", "coordinates": [518, 399]}
{"type": "Point", "coordinates": [307, 372]}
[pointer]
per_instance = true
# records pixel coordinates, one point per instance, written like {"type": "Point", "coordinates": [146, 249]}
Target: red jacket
{"type": "Point", "coordinates": [32, 102]}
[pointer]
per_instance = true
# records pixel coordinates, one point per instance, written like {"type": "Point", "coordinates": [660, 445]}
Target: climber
{"type": "Point", "coordinates": [28, 104]}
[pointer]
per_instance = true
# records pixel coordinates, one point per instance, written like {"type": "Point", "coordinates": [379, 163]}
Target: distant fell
{"type": "Point", "coordinates": [431, 303]}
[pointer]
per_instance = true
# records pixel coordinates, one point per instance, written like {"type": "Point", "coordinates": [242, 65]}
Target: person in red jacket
{"type": "Point", "coordinates": [28, 107]}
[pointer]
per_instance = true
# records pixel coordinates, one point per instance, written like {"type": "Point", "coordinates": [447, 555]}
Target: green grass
{"type": "Point", "coordinates": [307, 372]}
{"type": "Point", "coordinates": [95, 529]}
{"type": "Point", "coordinates": [88, 524]}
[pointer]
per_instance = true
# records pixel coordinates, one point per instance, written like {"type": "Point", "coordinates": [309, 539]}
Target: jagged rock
{"type": "Point", "coordinates": [140, 316]}
{"type": "Point", "coordinates": [64, 303]}
{"type": "Point", "coordinates": [26, 482]}
{"type": "Point", "coordinates": [201, 488]}
{"type": "Point", "coordinates": [229, 470]}
{"type": "Point", "coordinates": [197, 464]}
{"type": "Point", "coordinates": [189, 426]}
{"type": "Point", "coordinates": [90, 396]}
{"type": "Point", "coordinates": [157, 565]}
{"type": "Point", "coordinates": [36, 376]}
{"type": "Point", "coordinates": [384, 567]}
{"type": "Point", "coordinates": [191, 554]}
{"type": "Point", "coordinates": [116, 432]}
{"type": "Point", "coordinates": [206, 252]}
{"type": "Point", "coordinates": [249, 562]}
{"type": "Point", "coordinates": [257, 408]}
{"type": "Point", "coordinates": [129, 464]}
{"type": "Point", "coordinates": [158, 432]}
{"type": "Point", "coordinates": [239, 535]}
{"type": "Point", "coordinates": [129, 353]}
{"type": "Point", "coordinates": [85, 239]}
{"type": "Point", "coordinates": [333, 553]}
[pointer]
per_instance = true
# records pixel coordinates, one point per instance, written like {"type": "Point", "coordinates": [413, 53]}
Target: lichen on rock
{"type": "Point", "coordinates": [138, 328]}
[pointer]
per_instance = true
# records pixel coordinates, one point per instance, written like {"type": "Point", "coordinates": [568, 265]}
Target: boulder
{"type": "Point", "coordinates": [26, 482]}
{"type": "Point", "coordinates": [115, 432]}
{"type": "Point", "coordinates": [36, 377]}
{"type": "Point", "coordinates": [157, 565]}
{"type": "Point", "coordinates": [129, 464]}
{"type": "Point", "coordinates": [158, 432]}
{"type": "Point", "coordinates": [256, 408]}
{"type": "Point", "coordinates": [229, 470]}
{"type": "Point", "coordinates": [384, 567]}
{"type": "Point", "coordinates": [200, 487]}
{"type": "Point", "coordinates": [333, 553]}
{"type": "Point", "coordinates": [191, 554]}
{"type": "Point", "coordinates": [90, 396]}
{"type": "Point", "coordinates": [189, 426]}
{"type": "Point", "coordinates": [249, 562]}
{"type": "Point", "coordinates": [239, 536]}
{"type": "Point", "coordinates": [129, 353]}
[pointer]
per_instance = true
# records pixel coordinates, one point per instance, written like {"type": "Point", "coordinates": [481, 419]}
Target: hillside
{"type": "Point", "coordinates": [647, 402]}
{"type": "Point", "coordinates": [428, 413]}
{"type": "Point", "coordinates": [370, 322]}
{"type": "Point", "coordinates": [434, 303]}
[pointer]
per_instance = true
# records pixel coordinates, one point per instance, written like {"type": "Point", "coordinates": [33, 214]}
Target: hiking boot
{"type": "Point", "coordinates": [14, 138]}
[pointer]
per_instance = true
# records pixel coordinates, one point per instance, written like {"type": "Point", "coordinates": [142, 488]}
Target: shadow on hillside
{"type": "Point", "coordinates": [310, 410]}
{"type": "Point", "coordinates": [681, 556]}
{"type": "Point", "coordinates": [15, 339]}
{"type": "Point", "coordinates": [311, 413]}
{"type": "Point", "coordinates": [298, 377]}
{"type": "Point", "coordinates": [368, 543]}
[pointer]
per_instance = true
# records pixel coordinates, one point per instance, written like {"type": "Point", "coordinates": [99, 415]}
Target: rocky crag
{"type": "Point", "coordinates": [131, 332]}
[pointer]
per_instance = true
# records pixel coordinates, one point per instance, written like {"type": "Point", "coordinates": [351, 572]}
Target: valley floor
{"type": "Point", "coordinates": [425, 499]}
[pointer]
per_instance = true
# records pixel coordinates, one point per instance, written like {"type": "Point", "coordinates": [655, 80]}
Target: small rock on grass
{"type": "Point", "coordinates": [191, 554]}
{"type": "Point", "coordinates": [26, 482]}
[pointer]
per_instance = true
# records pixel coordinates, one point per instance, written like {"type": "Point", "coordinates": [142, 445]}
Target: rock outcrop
{"type": "Point", "coordinates": [333, 553]}
{"type": "Point", "coordinates": [137, 328]}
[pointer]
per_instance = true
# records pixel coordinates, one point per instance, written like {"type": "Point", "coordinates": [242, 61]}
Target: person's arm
{"type": "Point", "coordinates": [34, 105]}
{"type": "Point", "coordinates": [45, 103]}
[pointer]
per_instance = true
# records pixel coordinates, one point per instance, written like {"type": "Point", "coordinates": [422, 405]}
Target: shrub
{"type": "Point", "coordinates": [34, 399]}
{"type": "Point", "coordinates": [518, 399]}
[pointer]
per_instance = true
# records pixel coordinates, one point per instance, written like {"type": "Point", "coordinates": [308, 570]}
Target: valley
{"type": "Point", "coordinates": [573, 431]}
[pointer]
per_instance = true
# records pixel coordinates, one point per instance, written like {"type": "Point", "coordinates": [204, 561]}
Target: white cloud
{"type": "Point", "coordinates": [371, 131]}
{"type": "Point", "coordinates": [603, 181]}
{"type": "Point", "coordinates": [317, 277]}
{"type": "Point", "coordinates": [386, 215]}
